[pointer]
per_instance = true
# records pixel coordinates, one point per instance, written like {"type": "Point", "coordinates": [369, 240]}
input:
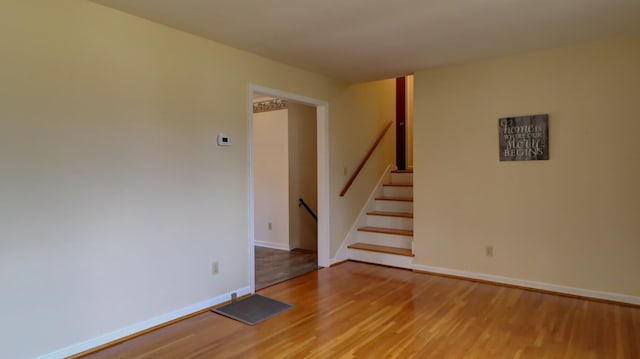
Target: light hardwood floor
{"type": "Point", "coordinates": [357, 310]}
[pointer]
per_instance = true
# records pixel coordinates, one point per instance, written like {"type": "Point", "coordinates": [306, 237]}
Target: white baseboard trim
{"type": "Point", "coordinates": [284, 247]}
{"type": "Point", "coordinates": [138, 327]}
{"type": "Point", "coordinates": [588, 293]}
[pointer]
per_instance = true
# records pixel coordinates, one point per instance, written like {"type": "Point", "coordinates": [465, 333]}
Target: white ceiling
{"type": "Point", "coordinates": [363, 40]}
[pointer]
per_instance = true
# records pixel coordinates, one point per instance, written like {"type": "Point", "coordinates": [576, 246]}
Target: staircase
{"type": "Point", "coordinates": [387, 238]}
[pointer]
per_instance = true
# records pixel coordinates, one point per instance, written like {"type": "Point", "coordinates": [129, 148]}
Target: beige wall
{"type": "Point", "coordinates": [271, 179]}
{"type": "Point", "coordinates": [303, 165]}
{"type": "Point", "coordinates": [366, 108]}
{"type": "Point", "coordinates": [114, 197]}
{"type": "Point", "coordinates": [573, 220]}
{"type": "Point", "coordinates": [285, 169]}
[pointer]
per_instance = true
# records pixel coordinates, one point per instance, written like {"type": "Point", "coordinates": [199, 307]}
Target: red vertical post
{"type": "Point", "coordinates": [401, 119]}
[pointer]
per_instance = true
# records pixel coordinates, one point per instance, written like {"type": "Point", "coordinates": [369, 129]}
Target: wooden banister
{"type": "Point", "coordinates": [366, 158]}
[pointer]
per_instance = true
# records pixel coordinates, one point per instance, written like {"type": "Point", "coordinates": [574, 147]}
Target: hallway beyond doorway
{"type": "Point", "coordinates": [275, 265]}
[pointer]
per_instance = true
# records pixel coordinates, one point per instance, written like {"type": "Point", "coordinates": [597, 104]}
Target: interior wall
{"type": "Point", "coordinates": [571, 220]}
{"type": "Point", "coordinates": [271, 179]}
{"type": "Point", "coordinates": [114, 196]}
{"type": "Point", "coordinates": [367, 108]}
{"type": "Point", "coordinates": [113, 191]}
{"type": "Point", "coordinates": [303, 165]}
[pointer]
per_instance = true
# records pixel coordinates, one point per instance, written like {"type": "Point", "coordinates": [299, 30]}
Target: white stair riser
{"type": "Point", "coordinates": [391, 191]}
{"type": "Point", "coordinates": [390, 222]}
{"type": "Point", "coordinates": [383, 239]}
{"type": "Point", "coordinates": [392, 260]}
{"type": "Point", "coordinates": [394, 206]}
{"type": "Point", "coordinates": [402, 178]}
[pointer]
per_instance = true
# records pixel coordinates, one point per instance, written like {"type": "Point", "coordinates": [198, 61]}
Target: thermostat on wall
{"type": "Point", "coordinates": [224, 139]}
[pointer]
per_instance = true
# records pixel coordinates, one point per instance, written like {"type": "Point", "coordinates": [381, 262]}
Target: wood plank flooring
{"type": "Point", "coordinates": [358, 310]}
{"type": "Point", "coordinates": [274, 265]}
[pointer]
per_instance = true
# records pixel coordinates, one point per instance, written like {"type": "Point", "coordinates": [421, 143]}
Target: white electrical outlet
{"type": "Point", "coordinates": [214, 268]}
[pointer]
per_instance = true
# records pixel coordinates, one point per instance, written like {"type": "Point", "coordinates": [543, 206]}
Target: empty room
{"type": "Point", "coordinates": [470, 176]}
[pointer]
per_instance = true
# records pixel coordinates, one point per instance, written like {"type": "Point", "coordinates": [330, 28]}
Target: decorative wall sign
{"type": "Point", "coordinates": [524, 138]}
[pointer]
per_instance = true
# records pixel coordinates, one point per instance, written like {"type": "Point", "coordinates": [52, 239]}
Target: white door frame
{"type": "Point", "coordinates": [322, 123]}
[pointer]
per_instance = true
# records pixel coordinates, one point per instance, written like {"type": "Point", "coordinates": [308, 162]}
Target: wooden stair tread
{"type": "Point", "coordinates": [402, 171]}
{"type": "Point", "coordinates": [399, 199]}
{"type": "Point", "coordinates": [382, 249]}
{"type": "Point", "coordinates": [399, 232]}
{"type": "Point", "coordinates": [391, 214]}
{"type": "Point", "coordinates": [398, 185]}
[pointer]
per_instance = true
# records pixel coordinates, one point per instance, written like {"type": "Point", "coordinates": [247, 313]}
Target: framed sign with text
{"type": "Point", "coordinates": [524, 138]}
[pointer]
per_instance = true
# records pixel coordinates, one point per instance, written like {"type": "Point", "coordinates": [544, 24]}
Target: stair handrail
{"type": "Point", "coordinates": [301, 202]}
{"type": "Point", "coordinates": [366, 158]}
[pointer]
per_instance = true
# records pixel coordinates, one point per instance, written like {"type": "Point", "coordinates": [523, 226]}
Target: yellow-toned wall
{"type": "Point", "coordinates": [573, 220]}
{"type": "Point", "coordinates": [367, 109]}
{"type": "Point", "coordinates": [114, 197]}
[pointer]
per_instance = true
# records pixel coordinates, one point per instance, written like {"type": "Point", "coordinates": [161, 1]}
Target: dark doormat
{"type": "Point", "coordinates": [252, 310]}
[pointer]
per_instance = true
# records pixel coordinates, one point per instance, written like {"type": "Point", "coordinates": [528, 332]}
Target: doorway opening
{"type": "Point", "coordinates": [404, 123]}
{"type": "Point", "coordinates": [288, 185]}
